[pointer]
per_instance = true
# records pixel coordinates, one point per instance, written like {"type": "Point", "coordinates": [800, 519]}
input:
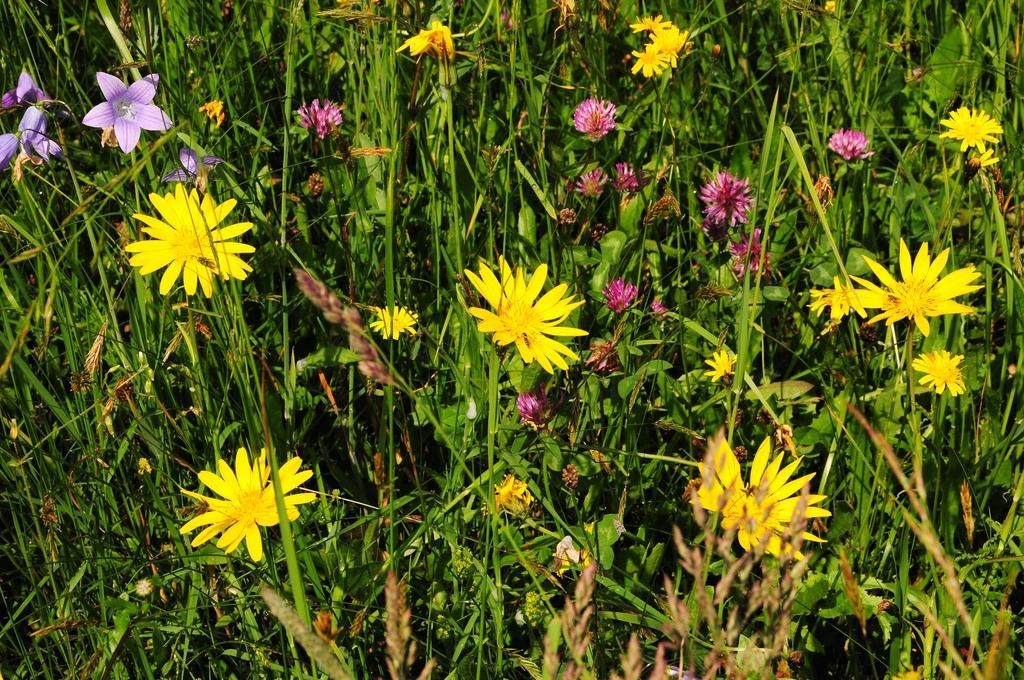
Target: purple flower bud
{"type": "Point", "coordinates": [592, 183]}
{"type": "Point", "coordinates": [323, 118]}
{"type": "Point", "coordinates": [535, 409]}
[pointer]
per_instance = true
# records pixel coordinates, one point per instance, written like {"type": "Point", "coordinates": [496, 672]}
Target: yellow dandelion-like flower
{"type": "Point", "coordinates": [520, 318]}
{"type": "Point", "coordinates": [921, 294]}
{"type": "Point", "coordinates": [761, 511]}
{"type": "Point", "coordinates": [435, 41]}
{"type": "Point", "coordinates": [214, 110]}
{"type": "Point", "coordinates": [840, 300]}
{"type": "Point", "coordinates": [392, 325]}
{"type": "Point", "coordinates": [670, 42]}
{"type": "Point", "coordinates": [984, 160]}
{"type": "Point", "coordinates": [189, 242]}
{"type": "Point", "coordinates": [512, 496]}
{"type": "Point", "coordinates": [248, 502]}
{"type": "Point", "coordinates": [941, 370]}
{"type": "Point", "coordinates": [972, 128]}
{"type": "Point", "coordinates": [651, 62]}
{"type": "Point", "coordinates": [650, 24]}
{"type": "Point", "coordinates": [721, 363]}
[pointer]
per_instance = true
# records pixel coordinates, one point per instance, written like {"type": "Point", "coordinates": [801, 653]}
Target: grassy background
{"type": "Point", "coordinates": [480, 172]}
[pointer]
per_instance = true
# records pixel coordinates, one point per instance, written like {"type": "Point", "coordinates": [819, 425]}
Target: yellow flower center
{"type": "Point", "coordinates": [911, 298]}
{"type": "Point", "coordinates": [521, 320]}
{"type": "Point", "coordinates": [248, 506]}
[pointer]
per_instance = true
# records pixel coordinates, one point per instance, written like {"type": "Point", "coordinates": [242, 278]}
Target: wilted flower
{"type": "Point", "coordinates": [193, 168]}
{"type": "Point", "coordinates": [628, 180]}
{"type": "Point", "coordinates": [25, 93]}
{"type": "Point", "coordinates": [727, 199]}
{"type": "Point", "coordinates": [534, 407]}
{"type": "Point", "coordinates": [603, 358]}
{"type": "Point", "coordinates": [214, 110]}
{"type": "Point", "coordinates": [850, 144]}
{"type": "Point", "coordinates": [592, 183]}
{"type": "Point", "coordinates": [748, 255]}
{"type": "Point", "coordinates": [594, 117]}
{"type": "Point", "coordinates": [619, 295]}
{"type": "Point", "coordinates": [323, 118]}
{"type": "Point", "coordinates": [128, 110]}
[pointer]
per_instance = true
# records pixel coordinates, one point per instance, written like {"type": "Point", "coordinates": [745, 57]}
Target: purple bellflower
{"type": "Point", "coordinates": [194, 168]}
{"type": "Point", "coordinates": [26, 93]}
{"type": "Point", "coordinates": [32, 140]}
{"type": "Point", "coordinates": [128, 110]}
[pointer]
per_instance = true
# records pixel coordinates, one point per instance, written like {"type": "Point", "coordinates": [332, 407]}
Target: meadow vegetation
{"type": "Point", "coordinates": [511, 339]}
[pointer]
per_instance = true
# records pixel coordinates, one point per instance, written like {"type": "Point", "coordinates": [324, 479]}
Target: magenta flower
{"type": "Point", "coordinates": [535, 409]}
{"type": "Point", "coordinates": [129, 110]}
{"type": "Point", "coordinates": [748, 256]}
{"type": "Point", "coordinates": [26, 92]}
{"type": "Point", "coordinates": [658, 308]}
{"type": "Point", "coordinates": [323, 118]}
{"type": "Point", "coordinates": [619, 295]}
{"type": "Point", "coordinates": [594, 117]}
{"type": "Point", "coordinates": [592, 183]}
{"type": "Point", "coordinates": [850, 144]}
{"type": "Point", "coordinates": [726, 200]}
{"type": "Point", "coordinates": [628, 180]}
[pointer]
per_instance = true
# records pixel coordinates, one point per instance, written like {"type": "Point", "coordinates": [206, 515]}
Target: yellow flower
{"type": "Point", "coordinates": [214, 110]}
{"type": "Point", "coordinates": [912, 674]}
{"type": "Point", "coordinates": [651, 62]}
{"type": "Point", "coordinates": [921, 293]}
{"type": "Point", "coordinates": [189, 243]}
{"type": "Point", "coordinates": [972, 128]}
{"type": "Point", "coordinates": [670, 42]}
{"type": "Point", "coordinates": [721, 363]}
{"type": "Point", "coordinates": [761, 511]}
{"type": "Point", "coordinates": [986, 159]}
{"type": "Point", "coordinates": [512, 496]}
{"type": "Point", "coordinates": [650, 24]}
{"type": "Point", "coordinates": [144, 468]}
{"type": "Point", "coordinates": [941, 370]}
{"type": "Point", "coordinates": [435, 41]}
{"type": "Point", "coordinates": [521, 318]}
{"type": "Point", "coordinates": [392, 326]}
{"type": "Point", "coordinates": [249, 502]}
{"type": "Point", "coordinates": [840, 300]}
{"type": "Point", "coordinates": [830, 6]}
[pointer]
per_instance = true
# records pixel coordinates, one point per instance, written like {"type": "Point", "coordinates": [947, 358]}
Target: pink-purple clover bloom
{"type": "Point", "coordinates": [128, 109]}
{"type": "Point", "coordinates": [748, 255]}
{"type": "Point", "coordinates": [628, 180]}
{"type": "Point", "coordinates": [592, 183]}
{"type": "Point", "coordinates": [727, 201]}
{"type": "Point", "coordinates": [534, 408]}
{"type": "Point", "coordinates": [850, 144]}
{"type": "Point", "coordinates": [658, 308]}
{"type": "Point", "coordinates": [619, 295]}
{"type": "Point", "coordinates": [594, 117]}
{"type": "Point", "coordinates": [323, 118]}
